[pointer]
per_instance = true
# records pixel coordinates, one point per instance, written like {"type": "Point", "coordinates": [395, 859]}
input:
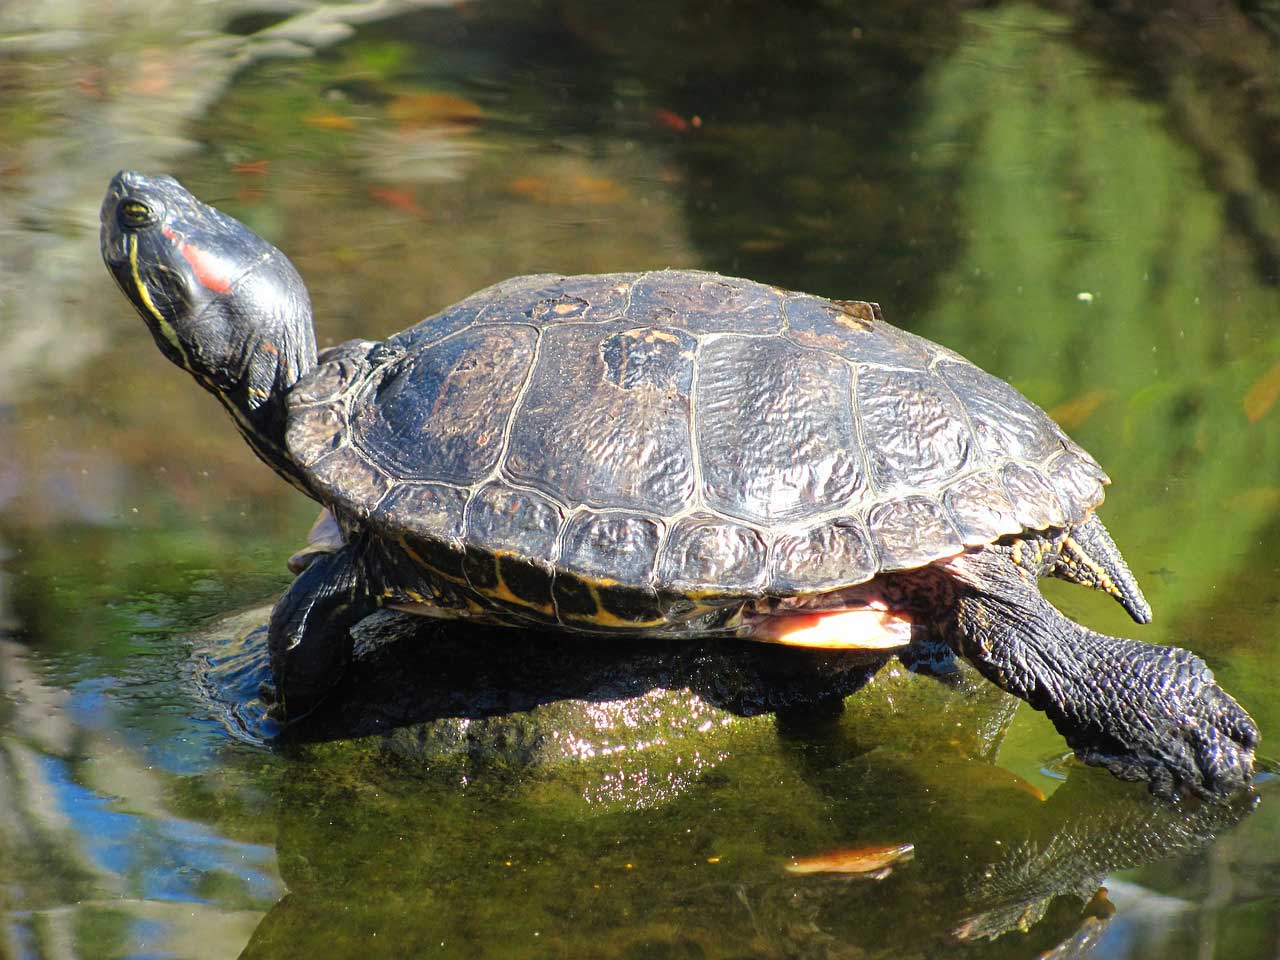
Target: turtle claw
{"type": "Point", "coordinates": [1183, 734]}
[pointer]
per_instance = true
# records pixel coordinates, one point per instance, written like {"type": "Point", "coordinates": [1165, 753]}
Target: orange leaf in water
{"type": "Point", "coordinates": [1262, 396]}
{"type": "Point", "coordinates": [252, 168]}
{"type": "Point", "coordinates": [1075, 412]}
{"type": "Point", "coordinates": [90, 83]}
{"type": "Point", "coordinates": [575, 189]}
{"type": "Point", "coordinates": [434, 110]}
{"type": "Point", "coordinates": [671, 120]}
{"type": "Point", "coordinates": [153, 76]}
{"type": "Point", "coordinates": [401, 200]}
{"type": "Point", "coordinates": [874, 862]}
{"type": "Point", "coordinates": [532, 188]}
{"type": "Point", "coordinates": [596, 190]}
{"type": "Point", "coordinates": [329, 121]}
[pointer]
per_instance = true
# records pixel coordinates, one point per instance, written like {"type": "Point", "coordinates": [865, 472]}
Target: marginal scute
{"type": "Point", "coordinates": [314, 433]}
{"type": "Point", "coordinates": [428, 510]}
{"type": "Point", "coordinates": [511, 547]}
{"type": "Point", "coordinates": [850, 331]}
{"type": "Point", "coordinates": [912, 531]}
{"type": "Point", "coordinates": [1034, 502]}
{"type": "Point", "coordinates": [705, 303]}
{"type": "Point", "coordinates": [1087, 463]}
{"type": "Point", "coordinates": [980, 508]}
{"type": "Point", "coordinates": [504, 518]}
{"type": "Point", "coordinates": [776, 435]}
{"type": "Point", "coordinates": [606, 569]}
{"type": "Point", "coordinates": [335, 371]}
{"type": "Point", "coordinates": [705, 553]}
{"type": "Point", "coordinates": [913, 428]}
{"type": "Point", "coordinates": [1077, 484]}
{"type": "Point", "coordinates": [616, 546]}
{"type": "Point", "coordinates": [1008, 425]}
{"type": "Point", "coordinates": [349, 477]}
{"type": "Point", "coordinates": [834, 554]}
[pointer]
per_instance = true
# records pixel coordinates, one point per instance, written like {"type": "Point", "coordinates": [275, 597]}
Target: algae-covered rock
{"type": "Point", "coordinates": [629, 721]}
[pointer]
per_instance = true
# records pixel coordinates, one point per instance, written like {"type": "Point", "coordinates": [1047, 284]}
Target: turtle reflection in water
{"type": "Point", "coordinates": [669, 454]}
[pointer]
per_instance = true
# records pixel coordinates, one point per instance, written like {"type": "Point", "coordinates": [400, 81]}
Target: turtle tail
{"type": "Point", "coordinates": [1088, 556]}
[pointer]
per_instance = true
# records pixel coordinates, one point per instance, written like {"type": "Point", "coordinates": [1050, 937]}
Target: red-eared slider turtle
{"type": "Point", "coordinates": [669, 453]}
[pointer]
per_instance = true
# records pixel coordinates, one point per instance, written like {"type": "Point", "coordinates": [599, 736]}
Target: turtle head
{"type": "Point", "coordinates": [221, 302]}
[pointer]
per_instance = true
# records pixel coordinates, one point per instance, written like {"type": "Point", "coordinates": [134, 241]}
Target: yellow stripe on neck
{"type": "Point", "coordinates": [166, 328]}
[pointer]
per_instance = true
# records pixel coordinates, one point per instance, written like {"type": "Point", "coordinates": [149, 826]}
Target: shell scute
{"type": "Point", "coordinates": [776, 434]}
{"type": "Point", "coordinates": [838, 552]}
{"type": "Point", "coordinates": [1078, 484]}
{"type": "Point", "coordinates": [428, 518]}
{"type": "Point", "coordinates": [615, 546]}
{"type": "Point", "coordinates": [913, 428]}
{"type": "Point", "coordinates": [704, 553]}
{"type": "Point", "coordinates": [1008, 425]}
{"type": "Point", "coordinates": [705, 303]}
{"type": "Point", "coordinates": [337, 370]}
{"type": "Point", "coordinates": [551, 298]}
{"type": "Point", "coordinates": [315, 432]}
{"type": "Point", "coordinates": [440, 413]}
{"type": "Point", "coordinates": [980, 508]}
{"type": "Point", "coordinates": [850, 329]}
{"type": "Point", "coordinates": [515, 521]}
{"type": "Point", "coordinates": [912, 531]}
{"type": "Point", "coordinates": [605, 420]}
{"type": "Point", "coordinates": [349, 476]}
{"type": "Point", "coordinates": [1034, 502]}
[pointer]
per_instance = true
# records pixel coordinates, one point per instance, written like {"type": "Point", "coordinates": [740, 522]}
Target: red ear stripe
{"type": "Point", "coordinates": [209, 270]}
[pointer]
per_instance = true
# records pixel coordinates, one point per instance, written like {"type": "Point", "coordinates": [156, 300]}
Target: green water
{"type": "Point", "coordinates": [1086, 204]}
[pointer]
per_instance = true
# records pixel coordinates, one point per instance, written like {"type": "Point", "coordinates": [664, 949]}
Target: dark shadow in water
{"type": "Point", "coordinates": [439, 676]}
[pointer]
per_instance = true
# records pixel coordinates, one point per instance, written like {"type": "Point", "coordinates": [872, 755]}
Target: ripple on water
{"type": "Point", "coordinates": [231, 664]}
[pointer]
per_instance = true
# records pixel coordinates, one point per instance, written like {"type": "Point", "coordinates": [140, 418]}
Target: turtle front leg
{"type": "Point", "coordinates": [1142, 711]}
{"type": "Point", "coordinates": [310, 637]}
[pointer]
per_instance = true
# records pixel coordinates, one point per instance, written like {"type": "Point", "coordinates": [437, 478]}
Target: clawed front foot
{"type": "Point", "coordinates": [1168, 722]}
{"type": "Point", "coordinates": [1144, 712]}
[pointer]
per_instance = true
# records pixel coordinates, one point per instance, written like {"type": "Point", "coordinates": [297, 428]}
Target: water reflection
{"type": "Point", "coordinates": [100, 861]}
{"type": "Point", "coordinates": [1082, 201]}
{"type": "Point", "coordinates": [523, 839]}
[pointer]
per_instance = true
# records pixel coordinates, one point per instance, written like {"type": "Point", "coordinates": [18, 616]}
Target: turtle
{"type": "Point", "coordinates": [669, 453]}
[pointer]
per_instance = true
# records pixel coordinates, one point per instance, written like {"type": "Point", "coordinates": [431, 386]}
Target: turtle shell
{"type": "Point", "coordinates": [676, 433]}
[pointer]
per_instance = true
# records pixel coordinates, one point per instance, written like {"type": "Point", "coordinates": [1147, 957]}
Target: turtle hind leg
{"type": "Point", "coordinates": [310, 636]}
{"type": "Point", "coordinates": [1088, 556]}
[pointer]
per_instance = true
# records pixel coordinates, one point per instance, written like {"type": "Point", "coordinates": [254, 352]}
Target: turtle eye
{"type": "Point", "coordinates": [135, 213]}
